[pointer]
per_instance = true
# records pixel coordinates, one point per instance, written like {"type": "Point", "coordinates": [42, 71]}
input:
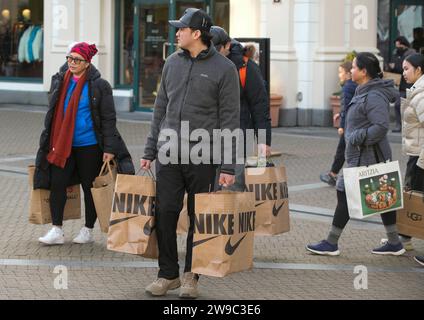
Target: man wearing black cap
{"type": "Point", "coordinates": [201, 87]}
{"type": "Point", "coordinates": [254, 101]}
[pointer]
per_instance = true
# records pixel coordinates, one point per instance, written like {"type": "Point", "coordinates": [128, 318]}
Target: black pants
{"type": "Point", "coordinates": [86, 162]}
{"type": "Point", "coordinates": [339, 158]}
{"type": "Point", "coordinates": [341, 215]}
{"type": "Point", "coordinates": [402, 94]}
{"type": "Point", "coordinates": [172, 181]}
{"type": "Point", "coordinates": [414, 176]}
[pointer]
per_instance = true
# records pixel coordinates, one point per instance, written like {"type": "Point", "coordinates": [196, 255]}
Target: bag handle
{"type": "Point", "coordinates": [376, 149]}
{"type": "Point", "coordinates": [106, 164]}
{"type": "Point", "coordinates": [411, 193]}
{"type": "Point", "coordinates": [146, 172]}
{"type": "Point", "coordinates": [220, 189]}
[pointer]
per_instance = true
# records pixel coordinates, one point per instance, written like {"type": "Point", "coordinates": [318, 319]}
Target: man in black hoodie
{"type": "Point", "coordinates": [254, 100]}
{"type": "Point", "coordinates": [403, 49]}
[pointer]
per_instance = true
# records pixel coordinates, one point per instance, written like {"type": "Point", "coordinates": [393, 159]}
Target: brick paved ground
{"type": "Point", "coordinates": [283, 269]}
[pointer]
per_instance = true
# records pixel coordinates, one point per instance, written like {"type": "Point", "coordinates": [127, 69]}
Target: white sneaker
{"type": "Point", "coordinates": [54, 236]}
{"type": "Point", "coordinates": [85, 236]}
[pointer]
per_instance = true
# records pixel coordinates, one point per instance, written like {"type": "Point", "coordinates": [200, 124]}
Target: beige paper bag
{"type": "Point", "coordinates": [183, 220]}
{"type": "Point", "coordinates": [269, 185]}
{"type": "Point", "coordinates": [223, 233]}
{"type": "Point", "coordinates": [410, 220]}
{"type": "Point", "coordinates": [132, 222]}
{"type": "Point", "coordinates": [39, 206]}
{"type": "Point", "coordinates": [102, 193]}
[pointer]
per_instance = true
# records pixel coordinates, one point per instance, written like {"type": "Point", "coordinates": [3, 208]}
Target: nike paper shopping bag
{"type": "Point", "coordinates": [132, 221]}
{"type": "Point", "coordinates": [183, 221]}
{"type": "Point", "coordinates": [269, 185]}
{"type": "Point", "coordinates": [223, 233]}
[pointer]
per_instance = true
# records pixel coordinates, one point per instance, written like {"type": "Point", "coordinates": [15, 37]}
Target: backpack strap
{"type": "Point", "coordinates": [243, 72]}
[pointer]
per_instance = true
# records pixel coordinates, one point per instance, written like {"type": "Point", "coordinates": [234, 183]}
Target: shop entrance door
{"type": "Point", "coordinates": [407, 15]}
{"type": "Point", "coordinates": [154, 40]}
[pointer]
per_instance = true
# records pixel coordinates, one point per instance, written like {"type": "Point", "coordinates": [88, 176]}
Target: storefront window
{"type": "Point", "coordinates": [383, 30]}
{"type": "Point", "coordinates": [144, 40]}
{"type": "Point", "coordinates": [221, 14]}
{"type": "Point", "coordinates": [126, 43]}
{"type": "Point", "coordinates": [21, 39]}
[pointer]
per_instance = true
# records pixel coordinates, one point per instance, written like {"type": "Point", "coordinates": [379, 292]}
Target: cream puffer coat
{"type": "Point", "coordinates": [413, 121]}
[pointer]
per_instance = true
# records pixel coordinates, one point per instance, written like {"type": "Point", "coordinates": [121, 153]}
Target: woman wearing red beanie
{"type": "Point", "coordinates": [80, 133]}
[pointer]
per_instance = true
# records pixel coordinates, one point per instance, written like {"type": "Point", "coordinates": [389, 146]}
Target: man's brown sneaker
{"type": "Point", "coordinates": [160, 286]}
{"type": "Point", "coordinates": [188, 288]}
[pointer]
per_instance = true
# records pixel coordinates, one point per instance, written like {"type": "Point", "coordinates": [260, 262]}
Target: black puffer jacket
{"type": "Point", "coordinates": [254, 100]}
{"type": "Point", "coordinates": [104, 120]}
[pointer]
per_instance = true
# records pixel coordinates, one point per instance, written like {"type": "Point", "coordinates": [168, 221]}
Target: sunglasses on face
{"type": "Point", "coordinates": [77, 61]}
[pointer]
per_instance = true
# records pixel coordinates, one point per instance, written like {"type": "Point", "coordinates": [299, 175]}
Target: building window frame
{"type": "Point", "coordinates": [118, 83]}
{"type": "Point", "coordinates": [20, 79]}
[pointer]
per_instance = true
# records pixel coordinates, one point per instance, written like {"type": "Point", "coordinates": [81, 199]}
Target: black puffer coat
{"type": "Point", "coordinates": [104, 120]}
{"type": "Point", "coordinates": [254, 100]}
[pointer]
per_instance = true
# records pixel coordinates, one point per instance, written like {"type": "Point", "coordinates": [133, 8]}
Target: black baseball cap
{"type": "Point", "coordinates": [220, 37]}
{"type": "Point", "coordinates": [193, 18]}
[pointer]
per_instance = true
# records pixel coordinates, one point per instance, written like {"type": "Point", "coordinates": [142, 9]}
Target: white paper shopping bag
{"type": "Point", "coordinates": [373, 189]}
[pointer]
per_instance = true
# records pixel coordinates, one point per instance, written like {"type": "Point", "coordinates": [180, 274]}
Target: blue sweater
{"type": "Point", "coordinates": [84, 132]}
{"type": "Point", "coordinates": [348, 91]}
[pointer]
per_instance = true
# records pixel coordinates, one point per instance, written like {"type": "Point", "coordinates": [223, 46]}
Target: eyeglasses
{"type": "Point", "coordinates": [75, 60]}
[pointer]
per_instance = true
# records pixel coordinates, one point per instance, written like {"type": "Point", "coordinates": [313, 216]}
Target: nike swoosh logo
{"type": "Point", "coordinates": [229, 249]}
{"type": "Point", "coordinates": [113, 222]}
{"type": "Point", "coordinates": [276, 211]}
{"type": "Point", "coordinates": [258, 204]}
{"type": "Point", "coordinates": [148, 229]}
{"type": "Point", "coordinates": [196, 243]}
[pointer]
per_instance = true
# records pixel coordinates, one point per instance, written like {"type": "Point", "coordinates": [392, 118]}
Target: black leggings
{"type": "Point", "coordinates": [86, 162]}
{"type": "Point", "coordinates": [341, 215]}
{"type": "Point", "coordinates": [339, 158]}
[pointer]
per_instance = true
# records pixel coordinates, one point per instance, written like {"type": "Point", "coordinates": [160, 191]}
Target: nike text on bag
{"type": "Point", "coordinates": [102, 192]}
{"type": "Point", "coordinates": [374, 189]}
{"type": "Point", "coordinates": [223, 233]}
{"type": "Point", "coordinates": [410, 220]}
{"type": "Point", "coordinates": [39, 205]}
{"type": "Point", "coordinates": [183, 221]}
{"type": "Point", "coordinates": [269, 185]}
{"type": "Point", "coordinates": [132, 221]}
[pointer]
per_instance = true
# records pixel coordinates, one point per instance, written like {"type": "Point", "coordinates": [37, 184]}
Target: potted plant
{"type": "Point", "coordinates": [276, 102]}
{"type": "Point", "coordinates": [335, 105]}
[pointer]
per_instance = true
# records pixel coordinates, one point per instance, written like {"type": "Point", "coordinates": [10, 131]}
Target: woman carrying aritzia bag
{"type": "Point", "coordinates": [367, 124]}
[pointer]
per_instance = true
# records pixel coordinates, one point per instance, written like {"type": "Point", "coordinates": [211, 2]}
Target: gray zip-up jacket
{"type": "Point", "coordinates": [204, 91]}
{"type": "Point", "coordinates": [367, 123]}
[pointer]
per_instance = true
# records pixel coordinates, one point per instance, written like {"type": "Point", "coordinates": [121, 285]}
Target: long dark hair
{"type": "Point", "coordinates": [416, 60]}
{"type": "Point", "coordinates": [369, 62]}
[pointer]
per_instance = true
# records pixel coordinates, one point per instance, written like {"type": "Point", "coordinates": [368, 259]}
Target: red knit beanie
{"type": "Point", "coordinates": [87, 51]}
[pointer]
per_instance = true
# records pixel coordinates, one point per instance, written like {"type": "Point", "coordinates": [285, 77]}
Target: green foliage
{"type": "Point", "coordinates": [350, 56]}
